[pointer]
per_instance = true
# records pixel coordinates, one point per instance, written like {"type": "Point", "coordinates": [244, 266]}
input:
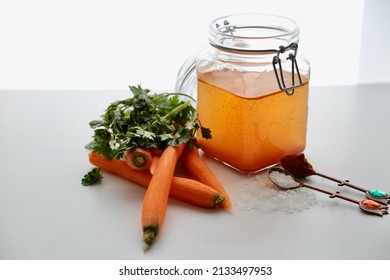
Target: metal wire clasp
{"type": "Point", "coordinates": [294, 68]}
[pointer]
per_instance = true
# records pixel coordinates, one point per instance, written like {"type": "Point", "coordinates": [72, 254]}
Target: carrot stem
{"type": "Point", "coordinates": [177, 110]}
{"type": "Point", "coordinates": [138, 158]}
{"type": "Point", "coordinates": [156, 196]}
{"type": "Point", "coordinates": [191, 159]}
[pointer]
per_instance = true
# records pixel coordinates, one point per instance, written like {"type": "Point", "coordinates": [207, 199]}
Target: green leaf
{"type": "Point", "coordinates": [145, 120]}
{"type": "Point", "coordinates": [89, 146]}
{"type": "Point", "coordinates": [166, 136]}
{"type": "Point", "coordinates": [92, 177]}
{"type": "Point", "coordinates": [95, 123]}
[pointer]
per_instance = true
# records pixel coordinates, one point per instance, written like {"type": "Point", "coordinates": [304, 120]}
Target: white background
{"type": "Point", "coordinates": [108, 45]}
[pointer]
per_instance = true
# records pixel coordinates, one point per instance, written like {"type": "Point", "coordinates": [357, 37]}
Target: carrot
{"type": "Point", "coordinates": [156, 196]}
{"type": "Point", "coordinates": [121, 168]}
{"type": "Point", "coordinates": [195, 193]}
{"type": "Point", "coordinates": [138, 158]}
{"type": "Point", "coordinates": [186, 190]}
{"type": "Point", "coordinates": [192, 161]}
{"type": "Point", "coordinates": [153, 164]}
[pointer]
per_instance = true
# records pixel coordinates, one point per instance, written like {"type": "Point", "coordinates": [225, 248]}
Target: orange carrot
{"type": "Point", "coordinates": [138, 158]}
{"type": "Point", "coordinates": [195, 193]}
{"type": "Point", "coordinates": [153, 164]}
{"type": "Point", "coordinates": [187, 190]}
{"type": "Point", "coordinates": [191, 159]}
{"type": "Point", "coordinates": [156, 196]}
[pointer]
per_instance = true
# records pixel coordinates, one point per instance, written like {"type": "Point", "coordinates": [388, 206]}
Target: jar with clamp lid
{"type": "Point", "coordinates": [251, 88]}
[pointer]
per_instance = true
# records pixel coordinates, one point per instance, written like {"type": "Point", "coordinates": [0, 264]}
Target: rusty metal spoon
{"type": "Point", "coordinates": [300, 167]}
{"type": "Point", "coordinates": [285, 180]}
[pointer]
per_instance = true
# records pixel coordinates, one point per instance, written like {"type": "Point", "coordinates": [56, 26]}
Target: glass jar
{"type": "Point", "coordinates": [251, 90]}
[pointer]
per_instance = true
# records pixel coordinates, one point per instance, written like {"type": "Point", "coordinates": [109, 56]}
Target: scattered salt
{"type": "Point", "coordinates": [260, 194]}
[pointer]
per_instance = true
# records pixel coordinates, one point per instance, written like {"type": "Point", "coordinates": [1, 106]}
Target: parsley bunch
{"type": "Point", "coordinates": [145, 120]}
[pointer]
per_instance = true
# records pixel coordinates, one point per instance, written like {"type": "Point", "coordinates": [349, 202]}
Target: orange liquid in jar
{"type": "Point", "coordinates": [252, 124]}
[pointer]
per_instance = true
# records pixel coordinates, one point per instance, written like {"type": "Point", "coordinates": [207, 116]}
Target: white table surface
{"type": "Point", "coordinates": [45, 213]}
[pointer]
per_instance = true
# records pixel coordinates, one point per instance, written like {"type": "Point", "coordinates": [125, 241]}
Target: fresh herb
{"type": "Point", "coordinates": [146, 120]}
{"type": "Point", "coordinates": [92, 177]}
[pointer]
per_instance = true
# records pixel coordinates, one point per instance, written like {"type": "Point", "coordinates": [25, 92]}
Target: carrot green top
{"type": "Point", "coordinates": [145, 120]}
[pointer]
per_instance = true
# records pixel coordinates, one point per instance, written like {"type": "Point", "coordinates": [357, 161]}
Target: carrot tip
{"type": "Point", "coordinates": [149, 237]}
{"type": "Point", "coordinates": [218, 200]}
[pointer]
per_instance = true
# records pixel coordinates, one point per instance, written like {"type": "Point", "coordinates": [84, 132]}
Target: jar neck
{"type": "Point", "coordinates": [252, 34]}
